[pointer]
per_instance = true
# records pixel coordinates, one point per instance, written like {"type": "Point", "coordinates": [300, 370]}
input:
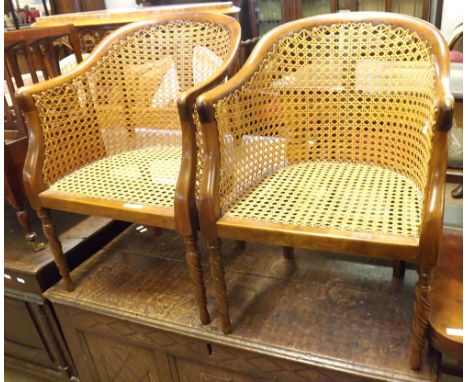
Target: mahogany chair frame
{"type": "Point", "coordinates": [183, 217]}
{"type": "Point", "coordinates": [423, 251]}
{"type": "Point", "coordinates": [37, 48]}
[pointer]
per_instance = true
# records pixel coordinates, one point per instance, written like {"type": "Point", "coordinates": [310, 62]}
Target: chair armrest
{"type": "Point", "coordinates": [209, 199]}
{"type": "Point", "coordinates": [184, 203]}
{"type": "Point", "coordinates": [33, 177]}
{"type": "Point", "coordinates": [433, 210]}
{"type": "Point", "coordinates": [434, 196]}
{"type": "Point", "coordinates": [32, 174]}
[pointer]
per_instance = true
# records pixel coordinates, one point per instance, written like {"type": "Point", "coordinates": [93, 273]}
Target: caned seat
{"type": "Point", "coordinates": [332, 136]}
{"type": "Point", "coordinates": [142, 177]}
{"type": "Point", "coordinates": [336, 196]}
{"type": "Point", "coordinates": [115, 136]}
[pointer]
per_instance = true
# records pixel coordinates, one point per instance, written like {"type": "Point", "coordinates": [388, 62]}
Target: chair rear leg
{"type": "Point", "coordinates": [192, 256]}
{"type": "Point", "coordinates": [420, 316]}
{"type": "Point", "coordinates": [157, 231]}
{"type": "Point", "coordinates": [23, 219]}
{"type": "Point", "coordinates": [240, 244]}
{"type": "Point", "coordinates": [288, 253]}
{"type": "Point", "coordinates": [21, 215]}
{"type": "Point", "coordinates": [219, 282]}
{"type": "Point", "coordinates": [399, 268]}
{"type": "Point", "coordinates": [51, 234]}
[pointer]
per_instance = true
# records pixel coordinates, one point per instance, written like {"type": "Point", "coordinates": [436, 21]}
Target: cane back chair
{"type": "Point", "coordinates": [332, 136]}
{"type": "Point", "coordinates": [29, 55]}
{"type": "Point", "coordinates": [109, 137]}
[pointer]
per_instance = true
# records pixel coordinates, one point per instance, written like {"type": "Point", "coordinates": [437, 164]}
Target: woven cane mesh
{"type": "Point", "coordinates": [330, 111]}
{"type": "Point", "coordinates": [145, 176]}
{"type": "Point", "coordinates": [124, 103]}
{"type": "Point", "coordinates": [336, 195]}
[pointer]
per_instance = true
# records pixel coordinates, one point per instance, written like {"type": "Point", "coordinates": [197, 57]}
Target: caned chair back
{"type": "Point", "coordinates": [127, 99]}
{"type": "Point", "coordinates": [355, 91]}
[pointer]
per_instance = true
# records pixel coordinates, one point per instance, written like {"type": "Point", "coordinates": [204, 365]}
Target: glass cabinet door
{"type": "Point", "coordinates": [315, 7]}
{"type": "Point", "coordinates": [417, 8]}
{"type": "Point", "coordinates": [409, 7]}
{"type": "Point", "coordinates": [372, 5]}
{"type": "Point", "coordinates": [268, 14]}
{"type": "Point", "coordinates": [271, 13]}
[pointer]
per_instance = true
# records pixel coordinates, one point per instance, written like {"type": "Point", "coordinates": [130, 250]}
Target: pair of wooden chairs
{"type": "Point", "coordinates": [332, 136]}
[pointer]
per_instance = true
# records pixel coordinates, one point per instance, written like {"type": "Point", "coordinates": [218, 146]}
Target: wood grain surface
{"type": "Point", "coordinates": [319, 313]}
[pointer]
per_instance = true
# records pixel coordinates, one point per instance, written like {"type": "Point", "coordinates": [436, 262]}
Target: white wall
{"type": "Point", "coordinates": [113, 4]}
{"type": "Point", "coordinates": [452, 15]}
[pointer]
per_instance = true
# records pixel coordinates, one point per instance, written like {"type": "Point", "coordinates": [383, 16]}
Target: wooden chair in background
{"type": "Point", "coordinates": [455, 163]}
{"type": "Point", "coordinates": [115, 137]}
{"type": "Point", "coordinates": [332, 136]}
{"type": "Point", "coordinates": [30, 56]}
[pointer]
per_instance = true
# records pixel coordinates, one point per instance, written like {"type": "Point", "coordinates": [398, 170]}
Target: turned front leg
{"type": "Point", "coordinates": [288, 253]}
{"type": "Point", "coordinates": [219, 283]}
{"type": "Point", "coordinates": [192, 256]}
{"type": "Point", "coordinates": [51, 234]}
{"type": "Point", "coordinates": [420, 316]}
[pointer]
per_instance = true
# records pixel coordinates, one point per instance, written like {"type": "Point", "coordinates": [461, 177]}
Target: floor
{"type": "Point", "coordinates": [17, 376]}
{"type": "Point", "coordinates": [453, 218]}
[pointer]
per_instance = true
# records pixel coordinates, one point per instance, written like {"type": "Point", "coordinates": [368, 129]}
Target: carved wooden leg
{"type": "Point", "coordinates": [196, 276]}
{"type": "Point", "coordinates": [288, 253]}
{"type": "Point", "coordinates": [399, 268]}
{"type": "Point", "coordinates": [217, 274]}
{"type": "Point", "coordinates": [56, 247]}
{"type": "Point", "coordinates": [420, 317]}
{"type": "Point", "coordinates": [31, 237]}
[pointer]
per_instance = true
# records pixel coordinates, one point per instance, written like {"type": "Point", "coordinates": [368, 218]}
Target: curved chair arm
{"type": "Point", "coordinates": [209, 193]}
{"type": "Point", "coordinates": [184, 203]}
{"type": "Point", "coordinates": [434, 197]}
{"type": "Point", "coordinates": [34, 182]}
{"type": "Point", "coordinates": [433, 213]}
{"type": "Point", "coordinates": [32, 173]}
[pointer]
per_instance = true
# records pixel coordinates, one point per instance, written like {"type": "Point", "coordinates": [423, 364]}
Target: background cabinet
{"type": "Point", "coordinates": [265, 15]}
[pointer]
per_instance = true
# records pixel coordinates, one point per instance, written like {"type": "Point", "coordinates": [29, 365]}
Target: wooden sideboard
{"type": "Point", "coordinates": [324, 317]}
{"type": "Point", "coordinates": [94, 26]}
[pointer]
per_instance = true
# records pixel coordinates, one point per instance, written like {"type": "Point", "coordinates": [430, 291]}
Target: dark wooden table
{"type": "Point", "coordinates": [321, 317]}
{"type": "Point", "coordinates": [93, 26]}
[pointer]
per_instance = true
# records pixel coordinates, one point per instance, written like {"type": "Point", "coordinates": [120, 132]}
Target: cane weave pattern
{"type": "Point", "coordinates": [349, 106]}
{"type": "Point", "coordinates": [336, 195]}
{"type": "Point", "coordinates": [144, 176]}
{"type": "Point", "coordinates": [124, 103]}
